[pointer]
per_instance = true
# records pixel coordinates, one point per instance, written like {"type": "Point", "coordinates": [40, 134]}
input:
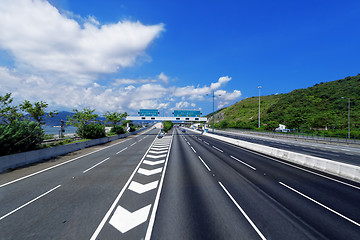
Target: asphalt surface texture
{"type": "Point", "coordinates": [180, 186]}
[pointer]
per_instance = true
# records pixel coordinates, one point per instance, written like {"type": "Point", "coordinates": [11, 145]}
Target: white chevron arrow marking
{"type": "Point", "coordinates": [123, 220]}
{"type": "Point", "coordinates": [161, 145]}
{"type": "Point", "coordinates": [141, 188]}
{"type": "Point", "coordinates": [159, 149]}
{"type": "Point", "coordinates": [158, 152]}
{"type": "Point", "coordinates": [152, 163]}
{"type": "Point", "coordinates": [149, 172]}
{"type": "Point", "coordinates": [156, 156]}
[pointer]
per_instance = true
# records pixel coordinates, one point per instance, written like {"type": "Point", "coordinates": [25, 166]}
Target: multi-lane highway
{"type": "Point", "coordinates": [182, 186]}
{"type": "Point", "coordinates": [341, 153]}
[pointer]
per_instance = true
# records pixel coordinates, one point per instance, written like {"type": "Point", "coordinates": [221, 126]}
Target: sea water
{"type": "Point", "coordinates": [50, 130]}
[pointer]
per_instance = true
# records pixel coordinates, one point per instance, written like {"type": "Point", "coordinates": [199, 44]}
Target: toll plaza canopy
{"type": "Point", "coordinates": [179, 116]}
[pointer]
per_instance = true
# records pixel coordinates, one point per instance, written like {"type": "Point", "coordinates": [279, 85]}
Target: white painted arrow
{"type": "Point", "coordinates": [158, 149]}
{"type": "Point", "coordinates": [158, 152]}
{"type": "Point", "coordinates": [156, 156]}
{"type": "Point", "coordinates": [141, 188]}
{"type": "Point", "coordinates": [123, 220]}
{"type": "Point", "coordinates": [152, 163]}
{"type": "Point", "coordinates": [149, 172]}
{"type": "Point", "coordinates": [161, 145]}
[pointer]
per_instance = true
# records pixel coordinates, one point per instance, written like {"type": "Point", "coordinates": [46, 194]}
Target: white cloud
{"type": "Point", "coordinates": [164, 78]}
{"type": "Point", "coordinates": [45, 41]}
{"type": "Point", "coordinates": [125, 81]}
{"type": "Point", "coordinates": [220, 82]}
{"type": "Point", "coordinates": [226, 97]}
{"type": "Point", "coordinates": [182, 105]}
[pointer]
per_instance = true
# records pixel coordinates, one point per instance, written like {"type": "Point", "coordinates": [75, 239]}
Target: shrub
{"type": "Point", "coordinates": [117, 129]}
{"type": "Point", "coordinates": [167, 125]}
{"type": "Point", "coordinates": [20, 136]}
{"type": "Point", "coordinates": [91, 131]}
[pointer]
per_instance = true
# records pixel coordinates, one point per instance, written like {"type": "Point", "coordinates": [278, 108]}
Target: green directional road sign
{"type": "Point", "coordinates": [187, 113]}
{"type": "Point", "coordinates": [149, 112]}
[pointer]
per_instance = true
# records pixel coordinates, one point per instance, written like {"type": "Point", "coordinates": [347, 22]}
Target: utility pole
{"type": "Point", "coordinates": [259, 87]}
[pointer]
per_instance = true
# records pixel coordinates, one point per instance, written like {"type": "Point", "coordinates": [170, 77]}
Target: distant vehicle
{"type": "Point", "coordinates": [183, 130]}
{"type": "Point", "coordinates": [160, 135]}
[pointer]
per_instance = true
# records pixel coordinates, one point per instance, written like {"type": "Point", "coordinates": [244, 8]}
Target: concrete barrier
{"type": "Point", "coordinates": [344, 170]}
{"type": "Point", "coordinates": [21, 159]}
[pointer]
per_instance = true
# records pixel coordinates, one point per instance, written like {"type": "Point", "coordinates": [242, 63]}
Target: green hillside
{"type": "Point", "coordinates": [323, 106]}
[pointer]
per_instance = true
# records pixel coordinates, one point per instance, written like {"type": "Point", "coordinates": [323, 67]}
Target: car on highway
{"type": "Point", "coordinates": [183, 130]}
{"type": "Point", "coordinates": [160, 135]}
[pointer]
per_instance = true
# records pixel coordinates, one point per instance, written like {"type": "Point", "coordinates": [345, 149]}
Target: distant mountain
{"type": "Point", "coordinates": [323, 106]}
{"type": "Point", "coordinates": [56, 120]}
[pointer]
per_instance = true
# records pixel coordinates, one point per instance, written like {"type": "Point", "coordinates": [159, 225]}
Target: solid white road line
{"type": "Point", "coordinates": [243, 212]}
{"type": "Point", "coordinates": [96, 165]}
{"type": "Point", "coordinates": [320, 204]}
{"type": "Point", "coordinates": [121, 150]}
{"type": "Point", "coordinates": [157, 198]}
{"type": "Point", "coordinates": [60, 164]}
{"type": "Point", "coordinates": [204, 164]}
{"type": "Point", "coordinates": [243, 163]}
{"type": "Point", "coordinates": [107, 215]}
{"type": "Point", "coordinates": [17, 209]}
{"type": "Point", "coordinates": [218, 149]}
{"type": "Point", "coordinates": [291, 165]}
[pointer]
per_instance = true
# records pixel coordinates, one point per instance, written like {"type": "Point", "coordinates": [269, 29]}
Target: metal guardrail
{"type": "Point", "coordinates": [304, 136]}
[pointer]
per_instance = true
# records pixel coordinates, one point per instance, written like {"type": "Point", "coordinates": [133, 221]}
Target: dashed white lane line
{"type": "Point", "coordinates": [294, 166]}
{"type": "Point", "coordinates": [193, 149]}
{"type": "Point", "coordinates": [96, 165]}
{"type": "Point", "coordinates": [243, 163]}
{"type": "Point", "coordinates": [218, 149]}
{"type": "Point", "coordinates": [17, 209]}
{"type": "Point", "coordinates": [133, 144]}
{"type": "Point", "coordinates": [243, 212]}
{"type": "Point", "coordinates": [206, 143]}
{"type": "Point", "coordinates": [121, 150]}
{"type": "Point", "coordinates": [204, 163]}
{"type": "Point", "coordinates": [320, 204]}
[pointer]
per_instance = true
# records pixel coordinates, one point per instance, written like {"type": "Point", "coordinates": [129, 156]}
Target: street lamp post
{"type": "Point", "coordinates": [259, 87]}
{"type": "Point", "coordinates": [213, 116]}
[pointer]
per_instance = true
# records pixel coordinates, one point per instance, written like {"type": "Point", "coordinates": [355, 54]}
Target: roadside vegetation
{"type": "Point", "coordinates": [21, 125]}
{"type": "Point", "coordinates": [167, 125]}
{"type": "Point", "coordinates": [319, 110]}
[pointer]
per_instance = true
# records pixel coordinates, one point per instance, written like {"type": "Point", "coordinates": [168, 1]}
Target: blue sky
{"type": "Point", "coordinates": [115, 55]}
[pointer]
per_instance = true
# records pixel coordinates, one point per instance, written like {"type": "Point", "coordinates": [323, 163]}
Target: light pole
{"type": "Point", "coordinates": [259, 87]}
{"type": "Point", "coordinates": [213, 118]}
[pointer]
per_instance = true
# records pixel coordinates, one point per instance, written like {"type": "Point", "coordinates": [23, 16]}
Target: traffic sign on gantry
{"type": "Point", "coordinates": [149, 112]}
{"type": "Point", "coordinates": [187, 113]}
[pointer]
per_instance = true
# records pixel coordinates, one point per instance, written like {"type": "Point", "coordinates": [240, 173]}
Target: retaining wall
{"type": "Point", "coordinates": [21, 159]}
{"type": "Point", "coordinates": [344, 170]}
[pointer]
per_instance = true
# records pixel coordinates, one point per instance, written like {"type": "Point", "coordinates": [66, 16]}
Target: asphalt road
{"type": "Point", "coordinates": [349, 155]}
{"type": "Point", "coordinates": [181, 186]}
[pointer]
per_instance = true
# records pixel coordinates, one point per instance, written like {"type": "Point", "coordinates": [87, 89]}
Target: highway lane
{"type": "Point", "coordinates": [69, 201]}
{"type": "Point", "coordinates": [343, 154]}
{"type": "Point", "coordinates": [182, 186]}
{"type": "Point", "coordinates": [282, 201]}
